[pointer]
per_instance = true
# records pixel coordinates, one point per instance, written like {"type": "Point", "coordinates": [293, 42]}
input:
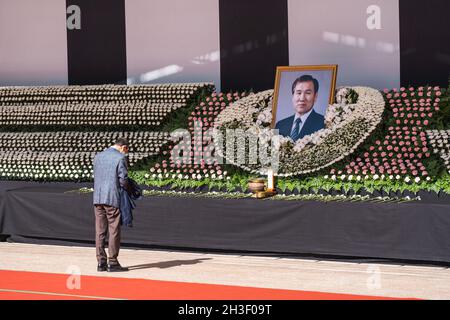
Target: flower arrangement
{"type": "Point", "coordinates": [68, 155]}
{"type": "Point", "coordinates": [347, 126]}
{"type": "Point", "coordinates": [440, 143]}
{"type": "Point", "coordinates": [157, 93]}
{"type": "Point", "coordinates": [345, 96]}
{"type": "Point", "coordinates": [401, 152]}
{"type": "Point", "coordinates": [87, 114]}
{"type": "Point", "coordinates": [59, 166]}
{"type": "Point", "coordinates": [202, 118]}
{"type": "Point", "coordinates": [302, 197]}
{"type": "Point", "coordinates": [52, 166]}
{"type": "Point", "coordinates": [279, 197]}
{"type": "Point", "coordinates": [87, 106]}
{"type": "Point", "coordinates": [147, 142]}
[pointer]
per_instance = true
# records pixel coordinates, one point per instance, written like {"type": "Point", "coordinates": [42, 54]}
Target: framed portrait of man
{"type": "Point", "coordinates": [301, 98]}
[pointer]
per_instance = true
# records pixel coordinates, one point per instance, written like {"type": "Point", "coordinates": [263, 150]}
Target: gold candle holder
{"type": "Point", "coordinates": [258, 187]}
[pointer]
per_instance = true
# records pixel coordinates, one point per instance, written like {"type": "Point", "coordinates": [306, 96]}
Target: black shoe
{"type": "Point", "coordinates": [116, 268]}
{"type": "Point", "coordinates": [101, 267]}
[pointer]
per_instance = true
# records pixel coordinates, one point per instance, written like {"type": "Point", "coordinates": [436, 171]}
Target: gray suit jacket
{"type": "Point", "coordinates": [110, 173]}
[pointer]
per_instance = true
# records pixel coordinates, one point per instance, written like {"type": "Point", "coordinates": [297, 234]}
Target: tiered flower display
{"type": "Point", "coordinates": [104, 105]}
{"type": "Point", "coordinates": [201, 120]}
{"type": "Point", "coordinates": [400, 154]}
{"type": "Point", "coordinates": [68, 155]}
{"type": "Point", "coordinates": [147, 142]}
{"type": "Point", "coordinates": [51, 166]}
{"type": "Point", "coordinates": [87, 114]}
{"type": "Point", "coordinates": [157, 93]}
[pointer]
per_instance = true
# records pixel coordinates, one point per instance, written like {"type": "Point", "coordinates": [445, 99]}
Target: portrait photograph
{"type": "Point", "coordinates": [301, 98]}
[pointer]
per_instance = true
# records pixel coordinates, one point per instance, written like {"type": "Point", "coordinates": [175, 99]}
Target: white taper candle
{"type": "Point", "coordinates": [270, 185]}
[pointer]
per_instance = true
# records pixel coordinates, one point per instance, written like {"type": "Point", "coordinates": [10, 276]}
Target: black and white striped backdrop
{"type": "Point", "coordinates": [236, 44]}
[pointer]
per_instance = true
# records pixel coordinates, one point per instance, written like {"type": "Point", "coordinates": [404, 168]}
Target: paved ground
{"type": "Point", "coordinates": [385, 280]}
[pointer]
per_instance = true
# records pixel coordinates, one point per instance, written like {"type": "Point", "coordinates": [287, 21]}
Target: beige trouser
{"type": "Point", "coordinates": [107, 220]}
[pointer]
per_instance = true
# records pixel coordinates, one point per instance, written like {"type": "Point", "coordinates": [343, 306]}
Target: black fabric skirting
{"type": "Point", "coordinates": [407, 231]}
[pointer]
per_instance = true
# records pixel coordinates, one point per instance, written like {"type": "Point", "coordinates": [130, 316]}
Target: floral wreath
{"type": "Point", "coordinates": [348, 122]}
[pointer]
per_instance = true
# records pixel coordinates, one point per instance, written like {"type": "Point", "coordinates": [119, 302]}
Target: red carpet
{"type": "Point", "coordinates": [47, 286]}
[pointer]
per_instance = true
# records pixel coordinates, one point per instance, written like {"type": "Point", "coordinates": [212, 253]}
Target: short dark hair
{"type": "Point", "coordinates": [122, 142]}
{"type": "Point", "coordinates": [306, 78]}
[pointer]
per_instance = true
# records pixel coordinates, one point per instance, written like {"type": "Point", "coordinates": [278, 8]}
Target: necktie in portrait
{"type": "Point", "coordinates": [295, 134]}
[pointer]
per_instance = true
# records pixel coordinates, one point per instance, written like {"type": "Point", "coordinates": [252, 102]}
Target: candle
{"type": "Point", "coordinates": [270, 185]}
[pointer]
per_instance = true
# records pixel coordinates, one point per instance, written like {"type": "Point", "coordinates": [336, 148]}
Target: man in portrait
{"type": "Point", "coordinates": [305, 120]}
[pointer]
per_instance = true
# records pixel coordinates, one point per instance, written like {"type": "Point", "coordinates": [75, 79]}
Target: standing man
{"type": "Point", "coordinates": [110, 174]}
{"type": "Point", "coordinates": [305, 120]}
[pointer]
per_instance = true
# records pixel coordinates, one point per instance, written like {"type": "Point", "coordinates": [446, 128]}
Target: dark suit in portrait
{"type": "Point", "coordinates": [315, 122]}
